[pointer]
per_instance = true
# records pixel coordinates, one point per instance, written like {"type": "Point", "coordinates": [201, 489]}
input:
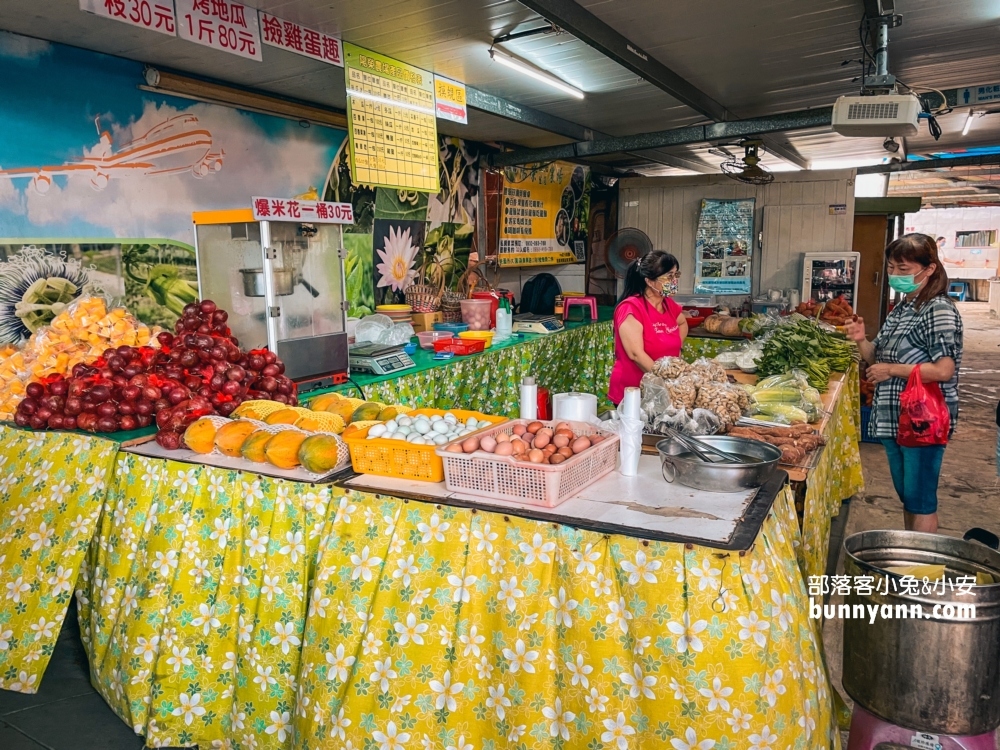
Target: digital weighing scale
{"type": "Point", "coordinates": [378, 359]}
{"type": "Point", "coordinates": [531, 323]}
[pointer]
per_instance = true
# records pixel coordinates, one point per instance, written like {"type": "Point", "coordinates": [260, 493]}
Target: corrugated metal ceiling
{"type": "Point", "coordinates": [755, 58]}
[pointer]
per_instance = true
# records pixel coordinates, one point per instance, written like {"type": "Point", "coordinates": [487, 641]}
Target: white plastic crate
{"type": "Point", "coordinates": [503, 478]}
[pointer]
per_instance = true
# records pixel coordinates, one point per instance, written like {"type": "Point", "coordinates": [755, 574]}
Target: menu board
{"type": "Point", "coordinates": [723, 247]}
{"type": "Point", "coordinates": [544, 215]}
{"type": "Point", "coordinates": [391, 122]}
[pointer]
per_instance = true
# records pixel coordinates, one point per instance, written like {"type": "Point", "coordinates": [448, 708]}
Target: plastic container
{"type": "Point", "coordinates": [426, 339]}
{"type": "Point", "coordinates": [485, 336]}
{"type": "Point", "coordinates": [410, 348]}
{"type": "Point", "coordinates": [494, 299]}
{"type": "Point", "coordinates": [459, 347]}
{"type": "Point", "coordinates": [452, 328]}
{"type": "Point", "coordinates": [397, 458]}
{"type": "Point", "coordinates": [476, 313]}
{"type": "Point", "coordinates": [866, 416]}
{"type": "Point", "coordinates": [503, 478]}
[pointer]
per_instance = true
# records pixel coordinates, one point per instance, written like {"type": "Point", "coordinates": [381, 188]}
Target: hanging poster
{"type": "Point", "coordinates": [723, 247]}
{"type": "Point", "coordinates": [391, 122]}
{"type": "Point", "coordinates": [544, 215]}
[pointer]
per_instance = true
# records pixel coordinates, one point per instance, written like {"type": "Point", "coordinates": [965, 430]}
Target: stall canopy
{"type": "Point", "coordinates": [642, 66]}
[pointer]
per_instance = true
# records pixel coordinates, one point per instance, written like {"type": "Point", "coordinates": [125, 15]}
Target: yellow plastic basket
{"type": "Point", "coordinates": [395, 458]}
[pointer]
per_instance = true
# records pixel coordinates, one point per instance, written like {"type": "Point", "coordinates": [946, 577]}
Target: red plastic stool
{"type": "Point", "coordinates": [588, 302]}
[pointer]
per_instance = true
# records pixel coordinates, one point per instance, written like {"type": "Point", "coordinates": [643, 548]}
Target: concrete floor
{"type": "Point", "coordinates": [68, 714]}
{"type": "Point", "coordinates": [969, 489]}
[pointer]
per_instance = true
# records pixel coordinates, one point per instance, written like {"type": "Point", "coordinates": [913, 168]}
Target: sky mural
{"type": "Point", "coordinates": [86, 154]}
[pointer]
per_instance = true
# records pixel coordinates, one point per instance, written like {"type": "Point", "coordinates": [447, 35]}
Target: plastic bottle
{"type": "Point", "coordinates": [529, 398]}
{"type": "Point", "coordinates": [505, 321]}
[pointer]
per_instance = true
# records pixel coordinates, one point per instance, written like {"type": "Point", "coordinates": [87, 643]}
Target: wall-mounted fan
{"type": "Point", "coordinates": [748, 170]}
{"type": "Point", "coordinates": [625, 246]}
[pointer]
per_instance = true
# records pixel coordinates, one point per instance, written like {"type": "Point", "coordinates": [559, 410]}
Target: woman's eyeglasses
{"type": "Point", "coordinates": [669, 277]}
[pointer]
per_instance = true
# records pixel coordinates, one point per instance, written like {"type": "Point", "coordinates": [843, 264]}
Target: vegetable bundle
{"type": "Point", "coordinates": [804, 345]}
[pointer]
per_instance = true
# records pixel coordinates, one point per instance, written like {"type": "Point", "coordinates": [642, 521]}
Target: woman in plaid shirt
{"type": "Point", "coordinates": [925, 331]}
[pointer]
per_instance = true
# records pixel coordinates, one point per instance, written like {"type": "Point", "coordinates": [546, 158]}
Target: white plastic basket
{"type": "Point", "coordinates": [503, 478]}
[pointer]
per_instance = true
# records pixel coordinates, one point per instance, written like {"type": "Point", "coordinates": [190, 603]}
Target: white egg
{"type": "Point", "coordinates": [463, 433]}
{"type": "Point", "coordinates": [404, 421]}
{"type": "Point", "coordinates": [422, 426]}
{"type": "Point", "coordinates": [449, 417]}
{"type": "Point", "coordinates": [440, 439]}
{"type": "Point", "coordinates": [435, 418]}
{"type": "Point", "coordinates": [441, 427]}
{"type": "Point", "coordinates": [377, 430]}
{"type": "Point", "coordinates": [471, 421]}
{"type": "Point", "coordinates": [404, 431]}
{"type": "Point", "coordinates": [398, 436]}
{"type": "Point", "coordinates": [413, 437]}
{"type": "Point", "coordinates": [391, 425]}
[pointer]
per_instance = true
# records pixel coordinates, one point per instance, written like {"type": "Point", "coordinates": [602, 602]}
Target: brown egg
{"type": "Point", "coordinates": [563, 426]}
{"type": "Point", "coordinates": [549, 449]}
{"type": "Point", "coordinates": [595, 439]}
{"type": "Point", "coordinates": [568, 433]}
{"type": "Point", "coordinates": [542, 439]}
{"type": "Point", "coordinates": [502, 437]}
{"type": "Point", "coordinates": [560, 441]}
{"type": "Point", "coordinates": [536, 456]}
{"type": "Point", "coordinates": [565, 451]}
{"type": "Point", "coordinates": [520, 429]}
{"type": "Point", "coordinates": [519, 446]}
{"type": "Point", "coordinates": [488, 444]}
{"type": "Point", "coordinates": [534, 427]}
{"type": "Point", "coordinates": [580, 444]}
{"type": "Point", "coordinates": [504, 449]}
{"type": "Point", "coordinates": [556, 458]}
{"type": "Point", "coordinates": [454, 448]}
{"type": "Point", "coordinates": [470, 444]}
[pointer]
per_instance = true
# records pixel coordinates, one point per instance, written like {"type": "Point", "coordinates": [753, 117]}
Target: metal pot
{"type": "Point", "coordinates": [677, 464]}
{"type": "Point", "coordinates": [933, 673]}
{"type": "Point", "coordinates": [253, 281]}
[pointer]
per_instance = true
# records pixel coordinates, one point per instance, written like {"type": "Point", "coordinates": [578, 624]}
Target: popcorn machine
{"type": "Point", "coordinates": [278, 268]}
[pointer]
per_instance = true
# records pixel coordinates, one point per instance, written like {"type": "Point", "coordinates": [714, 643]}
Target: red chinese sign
{"type": "Point", "coordinates": [220, 24]}
{"type": "Point", "coordinates": [155, 15]}
{"type": "Point", "coordinates": [300, 40]}
{"type": "Point", "coordinates": [318, 212]}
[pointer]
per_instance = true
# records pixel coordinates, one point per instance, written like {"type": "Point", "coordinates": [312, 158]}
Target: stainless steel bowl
{"type": "Point", "coordinates": [253, 282]}
{"type": "Point", "coordinates": [678, 464]}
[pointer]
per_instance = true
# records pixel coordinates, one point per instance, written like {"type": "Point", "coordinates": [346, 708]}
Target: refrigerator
{"type": "Point", "coordinates": [829, 275]}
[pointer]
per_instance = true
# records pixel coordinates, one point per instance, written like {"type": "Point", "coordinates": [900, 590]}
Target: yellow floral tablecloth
{"type": "Point", "coordinates": [228, 610]}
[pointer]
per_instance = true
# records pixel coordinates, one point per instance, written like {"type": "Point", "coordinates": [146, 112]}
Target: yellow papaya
{"type": "Point", "coordinates": [283, 416]}
{"type": "Point", "coordinates": [253, 447]}
{"type": "Point", "coordinates": [231, 436]}
{"type": "Point", "coordinates": [320, 453]}
{"type": "Point", "coordinates": [366, 412]}
{"type": "Point", "coordinates": [320, 403]}
{"type": "Point", "coordinates": [282, 450]}
{"type": "Point", "coordinates": [200, 436]}
{"type": "Point", "coordinates": [321, 421]}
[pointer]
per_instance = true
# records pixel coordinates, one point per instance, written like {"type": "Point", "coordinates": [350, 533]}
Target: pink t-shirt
{"type": "Point", "coordinates": [661, 337]}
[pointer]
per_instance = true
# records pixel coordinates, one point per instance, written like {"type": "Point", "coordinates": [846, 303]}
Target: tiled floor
{"type": "Point", "coordinates": [66, 713]}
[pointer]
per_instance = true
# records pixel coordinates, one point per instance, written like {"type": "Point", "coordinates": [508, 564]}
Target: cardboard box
{"type": "Point", "coordinates": [425, 321]}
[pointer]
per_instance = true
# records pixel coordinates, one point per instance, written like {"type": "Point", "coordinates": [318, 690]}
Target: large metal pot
{"type": "Point", "coordinates": [678, 464]}
{"type": "Point", "coordinates": [253, 281]}
{"type": "Point", "coordinates": [936, 673]}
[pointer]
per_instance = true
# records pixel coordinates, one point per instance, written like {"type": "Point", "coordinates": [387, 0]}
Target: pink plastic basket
{"type": "Point", "coordinates": [503, 478]}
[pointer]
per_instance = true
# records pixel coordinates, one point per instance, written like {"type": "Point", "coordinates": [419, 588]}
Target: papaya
{"type": "Point", "coordinates": [356, 426]}
{"type": "Point", "coordinates": [366, 412]}
{"type": "Point", "coordinates": [257, 409]}
{"type": "Point", "coordinates": [231, 436]}
{"type": "Point", "coordinates": [283, 416]}
{"type": "Point", "coordinates": [320, 403]}
{"type": "Point", "coordinates": [320, 453]}
{"type": "Point", "coordinates": [282, 450]}
{"type": "Point", "coordinates": [391, 412]}
{"type": "Point", "coordinates": [253, 447]}
{"type": "Point", "coordinates": [321, 421]}
{"type": "Point", "coordinates": [343, 409]}
{"type": "Point", "coordinates": [200, 436]}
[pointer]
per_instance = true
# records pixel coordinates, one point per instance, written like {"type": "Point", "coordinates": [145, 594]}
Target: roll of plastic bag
{"type": "Point", "coordinates": [630, 445]}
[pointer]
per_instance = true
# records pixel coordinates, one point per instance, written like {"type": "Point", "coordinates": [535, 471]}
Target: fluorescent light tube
{"type": "Point", "coordinates": [390, 102]}
{"type": "Point", "coordinates": [532, 72]}
{"type": "Point", "coordinates": [968, 124]}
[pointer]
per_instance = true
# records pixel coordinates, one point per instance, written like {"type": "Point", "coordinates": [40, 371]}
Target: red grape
{"type": "Point", "coordinates": [116, 363]}
{"type": "Point", "coordinates": [59, 387]}
{"type": "Point", "coordinates": [220, 316]}
{"type": "Point", "coordinates": [192, 382]}
{"type": "Point", "coordinates": [35, 390]}
{"type": "Point", "coordinates": [217, 353]}
{"type": "Point", "coordinates": [191, 308]}
{"type": "Point", "coordinates": [28, 406]}
{"type": "Point", "coordinates": [100, 393]}
{"type": "Point", "coordinates": [208, 307]}
{"type": "Point", "coordinates": [227, 408]}
{"type": "Point", "coordinates": [165, 338]}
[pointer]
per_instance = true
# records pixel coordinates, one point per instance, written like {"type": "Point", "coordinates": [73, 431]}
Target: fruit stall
{"type": "Point", "coordinates": [277, 569]}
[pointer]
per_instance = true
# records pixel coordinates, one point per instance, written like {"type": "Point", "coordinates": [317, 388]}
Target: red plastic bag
{"type": "Point", "coordinates": [924, 418]}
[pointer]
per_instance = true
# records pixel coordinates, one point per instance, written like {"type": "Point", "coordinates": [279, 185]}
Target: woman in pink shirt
{"type": "Point", "coordinates": [648, 324]}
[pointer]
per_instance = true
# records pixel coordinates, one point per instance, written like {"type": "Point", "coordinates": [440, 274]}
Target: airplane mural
{"type": "Point", "coordinates": [175, 146]}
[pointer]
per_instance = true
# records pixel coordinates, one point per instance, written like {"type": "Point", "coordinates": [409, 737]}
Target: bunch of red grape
{"type": "Point", "coordinates": [198, 370]}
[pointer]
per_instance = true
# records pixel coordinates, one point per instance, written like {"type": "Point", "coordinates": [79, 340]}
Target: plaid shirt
{"type": "Point", "coordinates": [910, 336]}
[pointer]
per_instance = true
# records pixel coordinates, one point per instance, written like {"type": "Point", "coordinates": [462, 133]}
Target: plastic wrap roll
{"type": "Point", "coordinates": [577, 407]}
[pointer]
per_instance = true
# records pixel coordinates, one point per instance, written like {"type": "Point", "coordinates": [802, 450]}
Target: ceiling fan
{"type": "Point", "coordinates": [747, 169]}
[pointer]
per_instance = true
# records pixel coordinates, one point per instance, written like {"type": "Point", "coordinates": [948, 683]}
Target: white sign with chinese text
{"type": "Point", "coordinates": [300, 40]}
{"type": "Point", "coordinates": [449, 100]}
{"type": "Point", "coordinates": [285, 209]}
{"type": "Point", "coordinates": [979, 95]}
{"type": "Point", "coordinates": [220, 24]}
{"type": "Point", "coordinates": [155, 15]}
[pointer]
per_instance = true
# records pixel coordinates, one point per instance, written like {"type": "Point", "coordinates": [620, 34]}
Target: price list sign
{"type": "Point", "coordinates": [391, 119]}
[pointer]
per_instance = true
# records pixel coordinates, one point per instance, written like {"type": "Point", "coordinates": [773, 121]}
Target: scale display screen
{"type": "Point", "coordinates": [531, 323]}
{"type": "Point", "coordinates": [377, 359]}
